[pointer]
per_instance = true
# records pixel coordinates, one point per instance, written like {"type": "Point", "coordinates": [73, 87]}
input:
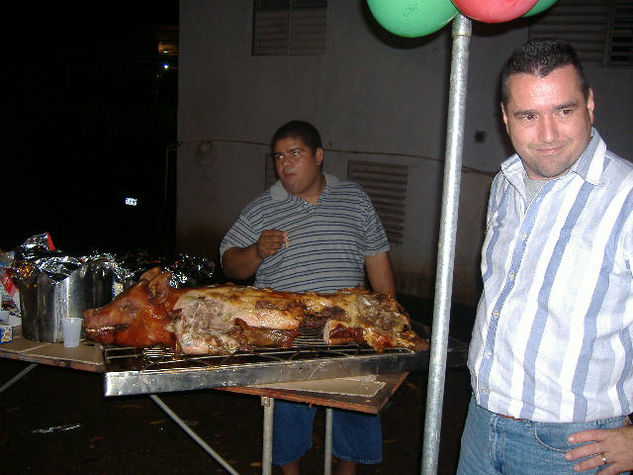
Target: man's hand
{"type": "Point", "coordinates": [615, 445]}
{"type": "Point", "coordinates": [270, 242]}
{"type": "Point", "coordinates": [242, 262]}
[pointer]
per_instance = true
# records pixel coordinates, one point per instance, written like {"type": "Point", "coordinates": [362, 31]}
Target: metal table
{"type": "Point", "coordinates": [89, 357]}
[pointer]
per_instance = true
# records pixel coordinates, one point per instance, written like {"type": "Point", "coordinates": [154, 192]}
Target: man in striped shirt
{"type": "Point", "coordinates": [551, 357]}
{"type": "Point", "coordinates": [311, 232]}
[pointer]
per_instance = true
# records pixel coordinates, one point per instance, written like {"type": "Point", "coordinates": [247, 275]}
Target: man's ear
{"type": "Point", "coordinates": [504, 115]}
{"type": "Point", "coordinates": [590, 104]}
{"type": "Point", "coordinates": [319, 155]}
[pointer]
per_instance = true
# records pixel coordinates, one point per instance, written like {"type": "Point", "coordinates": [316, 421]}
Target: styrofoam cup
{"type": "Point", "coordinates": [72, 331]}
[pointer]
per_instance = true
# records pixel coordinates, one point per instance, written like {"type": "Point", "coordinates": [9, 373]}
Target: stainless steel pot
{"type": "Point", "coordinates": [45, 301]}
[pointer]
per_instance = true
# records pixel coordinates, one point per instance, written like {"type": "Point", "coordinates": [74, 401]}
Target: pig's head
{"type": "Point", "coordinates": [139, 316]}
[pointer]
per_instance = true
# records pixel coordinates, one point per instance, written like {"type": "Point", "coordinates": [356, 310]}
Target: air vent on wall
{"type": "Point", "coordinates": [289, 27]}
{"type": "Point", "coordinates": [601, 31]}
{"type": "Point", "coordinates": [386, 185]}
{"type": "Point", "coordinates": [620, 39]}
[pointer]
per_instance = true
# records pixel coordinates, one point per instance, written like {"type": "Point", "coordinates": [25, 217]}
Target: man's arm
{"type": "Point", "coordinates": [380, 274]}
{"type": "Point", "coordinates": [241, 263]}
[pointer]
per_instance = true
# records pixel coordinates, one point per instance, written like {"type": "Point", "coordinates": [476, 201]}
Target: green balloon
{"type": "Point", "coordinates": [540, 6]}
{"type": "Point", "coordinates": [412, 18]}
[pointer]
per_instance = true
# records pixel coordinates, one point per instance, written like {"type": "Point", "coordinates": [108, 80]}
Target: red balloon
{"type": "Point", "coordinates": [494, 11]}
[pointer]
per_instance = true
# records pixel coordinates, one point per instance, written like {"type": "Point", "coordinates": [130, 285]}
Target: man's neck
{"type": "Point", "coordinates": [314, 194]}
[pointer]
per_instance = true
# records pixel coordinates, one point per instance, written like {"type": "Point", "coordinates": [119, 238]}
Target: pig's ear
{"type": "Point", "coordinates": [151, 274]}
{"type": "Point", "coordinates": [159, 288]}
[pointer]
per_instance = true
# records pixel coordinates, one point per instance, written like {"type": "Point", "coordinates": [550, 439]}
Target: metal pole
{"type": "Point", "coordinates": [446, 247]}
{"type": "Point", "coordinates": [193, 435]}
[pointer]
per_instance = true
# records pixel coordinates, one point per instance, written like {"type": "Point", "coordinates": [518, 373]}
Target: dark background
{"type": "Point", "coordinates": [92, 115]}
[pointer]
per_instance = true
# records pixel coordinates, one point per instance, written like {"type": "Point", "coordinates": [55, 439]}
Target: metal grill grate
{"type": "Point", "coordinates": [155, 370]}
{"type": "Point", "coordinates": [158, 369]}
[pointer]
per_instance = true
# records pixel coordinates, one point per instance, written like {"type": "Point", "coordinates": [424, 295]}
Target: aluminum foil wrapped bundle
{"type": "Point", "coordinates": [190, 271]}
{"type": "Point", "coordinates": [186, 270]}
{"type": "Point", "coordinates": [135, 263]}
{"type": "Point", "coordinates": [56, 267]}
{"type": "Point", "coordinates": [38, 243]}
{"type": "Point", "coordinates": [54, 285]}
{"type": "Point", "coordinates": [38, 254]}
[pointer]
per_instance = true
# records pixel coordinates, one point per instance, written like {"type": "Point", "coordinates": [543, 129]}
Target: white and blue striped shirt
{"type": "Point", "coordinates": [553, 339]}
{"type": "Point", "coordinates": [328, 241]}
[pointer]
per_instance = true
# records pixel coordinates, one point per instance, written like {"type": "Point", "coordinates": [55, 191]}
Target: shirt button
{"type": "Point", "coordinates": [511, 276]}
{"type": "Point", "coordinates": [484, 391]}
{"type": "Point", "coordinates": [488, 354]}
{"type": "Point", "coordinates": [495, 314]}
{"type": "Point", "coordinates": [524, 237]}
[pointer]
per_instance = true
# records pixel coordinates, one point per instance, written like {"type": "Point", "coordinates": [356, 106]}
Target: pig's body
{"type": "Point", "coordinates": [227, 318]}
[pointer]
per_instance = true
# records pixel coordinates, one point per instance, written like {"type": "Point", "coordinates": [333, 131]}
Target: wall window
{"type": "Point", "coordinates": [289, 27]}
{"type": "Point", "coordinates": [601, 31]}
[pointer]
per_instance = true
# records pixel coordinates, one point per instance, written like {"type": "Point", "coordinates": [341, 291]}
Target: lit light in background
{"type": "Point", "coordinates": [130, 201]}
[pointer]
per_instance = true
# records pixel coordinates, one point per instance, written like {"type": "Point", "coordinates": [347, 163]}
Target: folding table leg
{"type": "Point", "coordinates": [17, 377]}
{"type": "Point", "coordinates": [193, 435]}
{"type": "Point", "coordinates": [327, 463]}
{"type": "Point", "coordinates": [269, 404]}
{"type": "Point", "coordinates": [267, 453]}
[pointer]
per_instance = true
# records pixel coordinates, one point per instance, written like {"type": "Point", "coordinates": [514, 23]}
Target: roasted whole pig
{"type": "Point", "coordinates": [223, 319]}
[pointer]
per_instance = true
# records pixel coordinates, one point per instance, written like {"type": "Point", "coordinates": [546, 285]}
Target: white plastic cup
{"type": "Point", "coordinates": [71, 328]}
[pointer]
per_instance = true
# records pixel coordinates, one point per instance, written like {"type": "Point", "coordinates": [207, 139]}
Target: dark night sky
{"type": "Point", "coordinates": [92, 114]}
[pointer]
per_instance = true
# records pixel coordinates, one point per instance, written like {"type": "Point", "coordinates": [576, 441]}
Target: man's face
{"type": "Point", "coordinates": [299, 168]}
{"type": "Point", "coordinates": [548, 120]}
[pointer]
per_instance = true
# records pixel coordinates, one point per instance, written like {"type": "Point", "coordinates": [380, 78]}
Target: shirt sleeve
{"type": "Point", "coordinates": [241, 234]}
{"type": "Point", "coordinates": [376, 241]}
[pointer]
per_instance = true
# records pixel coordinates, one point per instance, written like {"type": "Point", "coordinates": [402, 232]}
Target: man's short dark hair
{"type": "Point", "coordinates": [539, 57]}
{"type": "Point", "coordinates": [305, 131]}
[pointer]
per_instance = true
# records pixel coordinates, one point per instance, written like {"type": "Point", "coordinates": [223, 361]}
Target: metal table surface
{"type": "Point", "coordinates": [130, 371]}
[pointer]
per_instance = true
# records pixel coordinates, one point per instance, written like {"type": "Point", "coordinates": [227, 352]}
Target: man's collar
{"type": "Point", "coordinates": [590, 164]}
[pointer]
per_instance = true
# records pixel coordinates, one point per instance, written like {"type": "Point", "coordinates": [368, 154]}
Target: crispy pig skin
{"type": "Point", "coordinates": [376, 320]}
{"type": "Point", "coordinates": [223, 319]}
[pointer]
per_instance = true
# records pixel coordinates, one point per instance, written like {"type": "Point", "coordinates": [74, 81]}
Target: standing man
{"type": "Point", "coordinates": [551, 357]}
{"type": "Point", "coordinates": [311, 232]}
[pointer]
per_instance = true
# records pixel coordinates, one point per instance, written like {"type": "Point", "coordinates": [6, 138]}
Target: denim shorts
{"type": "Point", "coordinates": [493, 444]}
{"type": "Point", "coordinates": [356, 437]}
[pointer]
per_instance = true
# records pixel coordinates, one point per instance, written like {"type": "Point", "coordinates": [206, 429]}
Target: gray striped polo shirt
{"type": "Point", "coordinates": [328, 241]}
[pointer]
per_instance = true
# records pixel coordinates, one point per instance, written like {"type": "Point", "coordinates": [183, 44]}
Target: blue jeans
{"type": "Point", "coordinates": [492, 444]}
{"type": "Point", "coordinates": [356, 437]}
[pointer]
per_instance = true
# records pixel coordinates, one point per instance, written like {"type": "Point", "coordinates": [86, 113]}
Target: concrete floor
{"type": "Point", "coordinates": [58, 421]}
